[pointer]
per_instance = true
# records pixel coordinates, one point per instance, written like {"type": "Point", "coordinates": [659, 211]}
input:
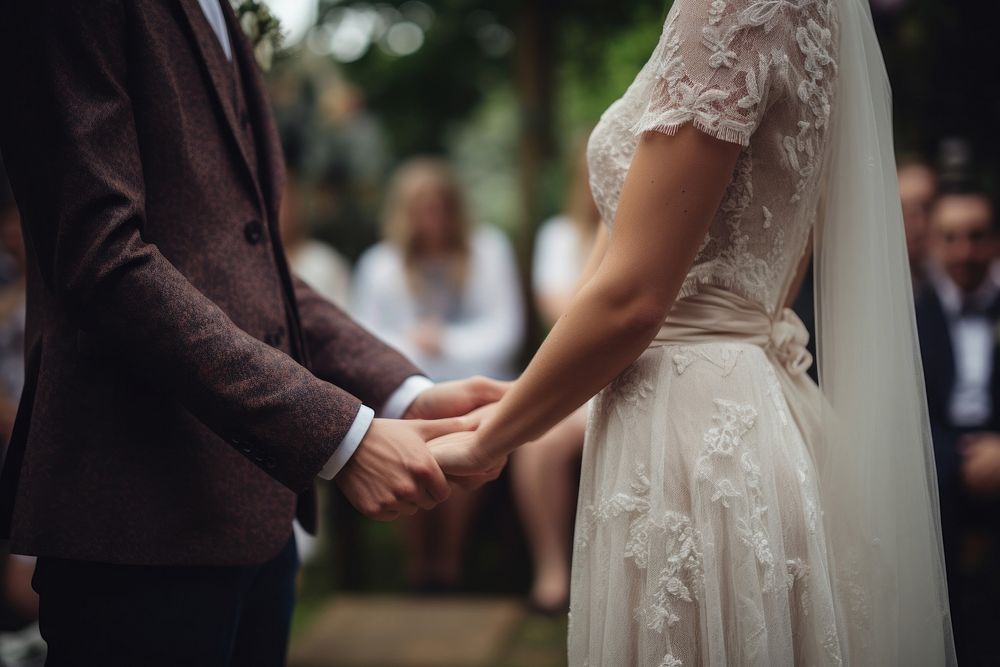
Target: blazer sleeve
{"type": "Point", "coordinates": [71, 150]}
{"type": "Point", "coordinates": [343, 352]}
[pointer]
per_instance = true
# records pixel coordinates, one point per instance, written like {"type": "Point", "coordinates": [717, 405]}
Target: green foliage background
{"type": "Point", "coordinates": [451, 98]}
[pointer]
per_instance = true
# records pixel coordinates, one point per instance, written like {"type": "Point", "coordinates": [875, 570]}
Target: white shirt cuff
{"type": "Point", "coordinates": [399, 402]}
{"type": "Point", "coordinates": [350, 443]}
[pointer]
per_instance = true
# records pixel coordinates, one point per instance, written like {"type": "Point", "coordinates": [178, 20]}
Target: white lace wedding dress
{"type": "Point", "coordinates": [699, 535]}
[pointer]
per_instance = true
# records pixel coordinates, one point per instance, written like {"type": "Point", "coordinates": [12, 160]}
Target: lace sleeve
{"type": "Point", "coordinates": [713, 67]}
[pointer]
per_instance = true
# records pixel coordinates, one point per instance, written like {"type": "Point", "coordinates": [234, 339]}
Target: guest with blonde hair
{"type": "Point", "coordinates": [446, 293]}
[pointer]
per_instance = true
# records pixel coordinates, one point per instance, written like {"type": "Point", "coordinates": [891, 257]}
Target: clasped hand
{"type": "Point", "coordinates": [463, 455]}
{"type": "Point", "coordinates": [405, 465]}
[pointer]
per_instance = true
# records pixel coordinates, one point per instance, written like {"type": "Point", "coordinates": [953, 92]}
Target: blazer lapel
{"type": "Point", "coordinates": [270, 157]}
{"type": "Point", "coordinates": [271, 166]}
{"type": "Point", "coordinates": [220, 73]}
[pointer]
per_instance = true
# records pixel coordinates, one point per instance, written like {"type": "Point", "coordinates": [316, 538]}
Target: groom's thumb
{"type": "Point", "coordinates": [435, 428]}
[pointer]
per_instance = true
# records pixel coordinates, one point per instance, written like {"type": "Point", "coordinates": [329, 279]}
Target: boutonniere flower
{"type": "Point", "coordinates": [262, 28]}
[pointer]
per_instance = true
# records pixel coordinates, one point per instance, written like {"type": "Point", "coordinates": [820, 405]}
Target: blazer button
{"type": "Point", "coordinates": [254, 232]}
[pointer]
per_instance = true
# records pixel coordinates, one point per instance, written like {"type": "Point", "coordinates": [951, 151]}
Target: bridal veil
{"type": "Point", "coordinates": [875, 460]}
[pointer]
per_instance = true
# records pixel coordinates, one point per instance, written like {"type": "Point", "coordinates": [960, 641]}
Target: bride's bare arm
{"type": "Point", "coordinates": [671, 193]}
{"type": "Point", "coordinates": [597, 252]}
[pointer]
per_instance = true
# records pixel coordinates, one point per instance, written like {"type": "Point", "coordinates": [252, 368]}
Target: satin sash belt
{"type": "Point", "coordinates": [716, 315]}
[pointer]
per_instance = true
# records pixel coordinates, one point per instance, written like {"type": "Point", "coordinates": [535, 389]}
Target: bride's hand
{"type": "Point", "coordinates": [462, 459]}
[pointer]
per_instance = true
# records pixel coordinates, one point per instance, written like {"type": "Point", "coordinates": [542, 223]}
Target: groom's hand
{"type": "Point", "coordinates": [393, 472]}
{"type": "Point", "coordinates": [459, 397]}
{"type": "Point", "coordinates": [464, 459]}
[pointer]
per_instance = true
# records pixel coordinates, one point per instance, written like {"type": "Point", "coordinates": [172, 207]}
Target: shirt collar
{"type": "Point", "coordinates": [950, 294]}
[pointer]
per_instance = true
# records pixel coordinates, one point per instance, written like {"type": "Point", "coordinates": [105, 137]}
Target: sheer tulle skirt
{"type": "Point", "coordinates": [699, 537]}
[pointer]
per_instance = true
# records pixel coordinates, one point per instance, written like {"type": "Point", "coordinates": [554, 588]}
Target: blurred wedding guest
{"type": "Point", "coordinates": [20, 642]}
{"type": "Point", "coordinates": [563, 245]}
{"type": "Point", "coordinates": [317, 263]}
{"type": "Point", "coordinates": [12, 309]}
{"type": "Point", "coordinates": [917, 188]}
{"type": "Point", "coordinates": [958, 317]}
{"type": "Point", "coordinates": [446, 293]}
{"type": "Point", "coordinates": [544, 473]}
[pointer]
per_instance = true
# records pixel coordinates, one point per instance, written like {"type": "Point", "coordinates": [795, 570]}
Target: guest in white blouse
{"type": "Point", "coordinates": [544, 473]}
{"type": "Point", "coordinates": [563, 245]}
{"type": "Point", "coordinates": [447, 294]}
{"type": "Point", "coordinates": [444, 292]}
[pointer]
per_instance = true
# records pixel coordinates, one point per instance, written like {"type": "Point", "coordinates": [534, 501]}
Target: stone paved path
{"type": "Point", "coordinates": [395, 631]}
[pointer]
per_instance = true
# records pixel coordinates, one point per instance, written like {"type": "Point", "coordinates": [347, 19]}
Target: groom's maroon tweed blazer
{"type": "Point", "coordinates": [182, 387]}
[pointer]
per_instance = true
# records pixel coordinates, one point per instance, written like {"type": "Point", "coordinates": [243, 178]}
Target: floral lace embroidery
{"type": "Point", "coordinates": [689, 101]}
{"type": "Point", "coordinates": [679, 584]}
{"type": "Point", "coordinates": [777, 396]}
{"type": "Point", "coordinates": [705, 105]}
{"type": "Point", "coordinates": [798, 574]}
{"type": "Point", "coordinates": [670, 661]}
{"type": "Point", "coordinates": [684, 356]}
{"type": "Point", "coordinates": [623, 395]}
{"type": "Point", "coordinates": [715, 11]}
{"type": "Point", "coordinates": [808, 495]}
{"type": "Point", "coordinates": [620, 503]}
{"type": "Point", "coordinates": [732, 422]}
{"type": "Point", "coordinates": [729, 260]}
{"type": "Point", "coordinates": [831, 644]}
{"type": "Point", "coordinates": [682, 579]}
{"type": "Point", "coordinates": [803, 149]}
{"type": "Point", "coordinates": [632, 386]}
{"type": "Point", "coordinates": [738, 65]}
{"type": "Point", "coordinates": [803, 468]}
{"type": "Point", "coordinates": [725, 440]}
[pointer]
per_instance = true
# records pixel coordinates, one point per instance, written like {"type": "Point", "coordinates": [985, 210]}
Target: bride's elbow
{"type": "Point", "coordinates": [644, 317]}
{"type": "Point", "coordinates": [633, 310]}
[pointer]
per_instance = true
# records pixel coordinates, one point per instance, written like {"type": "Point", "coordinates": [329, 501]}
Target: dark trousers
{"type": "Point", "coordinates": [99, 614]}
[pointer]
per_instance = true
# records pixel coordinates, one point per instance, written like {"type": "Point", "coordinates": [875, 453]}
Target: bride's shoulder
{"type": "Point", "coordinates": [723, 64]}
{"type": "Point", "coordinates": [734, 35]}
{"type": "Point", "coordinates": [763, 16]}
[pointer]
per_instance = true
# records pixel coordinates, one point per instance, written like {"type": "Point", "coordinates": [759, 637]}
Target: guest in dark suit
{"type": "Point", "coordinates": [958, 313]}
{"type": "Point", "coordinates": [182, 390]}
{"type": "Point", "coordinates": [917, 189]}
